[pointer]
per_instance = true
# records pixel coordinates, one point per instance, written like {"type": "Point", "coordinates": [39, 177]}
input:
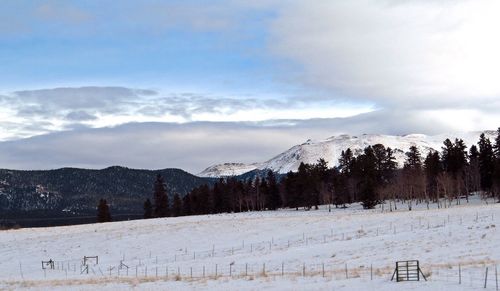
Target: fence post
{"type": "Point", "coordinates": [264, 269]}
{"type": "Point", "coordinates": [166, 271]}
{"type": "Point", "coordinates": [303, 269]}
{"type": "Point", "coordinates": [246, 269]}
{"type": "Point", "coordinates": [496, 277]}
{"type": "Point", "coordinates": [371, 271]}
{"type": "Point", "coordinates": [230, 270]}
{"type": "Point", "coordinates": [486, 278]}
{"type": "Point", "coordinates": [136, 271]}
{"type": "Point", "coordinates": [191, 271]}
{"type": "Point", "coordinates": [346, 276]}
{"type": "Point", "coordinates": [459, 274]}
{"type": "Point", "coordinates": [282, 269]}
{"type": "Point", "coordinates": [216, 270]}
{"type": "Point", "coordinates": [323, 269]}
{"type": "Point", "coordinates": [203, 271]}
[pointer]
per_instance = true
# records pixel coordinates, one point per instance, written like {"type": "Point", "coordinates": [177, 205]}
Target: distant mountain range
{"type": "Point", "coordinates": [330, 149]}
{"type": "Point", "coordinates": [55, 197]}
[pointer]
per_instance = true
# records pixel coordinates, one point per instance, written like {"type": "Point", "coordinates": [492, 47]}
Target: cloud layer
{"type": "Point", "coordinates": [190, 146]}
{"type": "Point", "coordinates": [424, 54]}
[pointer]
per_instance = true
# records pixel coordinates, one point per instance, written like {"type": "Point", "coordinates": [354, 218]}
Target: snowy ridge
{"type": "Point", "coordinates": [329, 149]}
{"type": "Point", "coordinates": [227, 169]}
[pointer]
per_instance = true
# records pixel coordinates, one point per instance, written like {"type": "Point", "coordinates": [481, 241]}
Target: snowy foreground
{"type": "Point", "coordinates": [347, 249]}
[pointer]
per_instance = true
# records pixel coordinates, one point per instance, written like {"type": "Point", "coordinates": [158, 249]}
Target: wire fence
{"type": "Point", "coordinates": [186, 264]}
{"type": "Point", "coordinates": [309, 239]}
{"type": "Point", "coordinates": [474, 275]}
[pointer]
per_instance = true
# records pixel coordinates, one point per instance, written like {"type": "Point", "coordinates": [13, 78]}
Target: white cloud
{"type": "Point", "coordinates": [425, 54]}
{"type": "Point", "coordinates": [49, 110]}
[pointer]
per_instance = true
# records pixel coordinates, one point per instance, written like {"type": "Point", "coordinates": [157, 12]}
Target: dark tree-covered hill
{"type": "Point", "coordinates": [75, 192]}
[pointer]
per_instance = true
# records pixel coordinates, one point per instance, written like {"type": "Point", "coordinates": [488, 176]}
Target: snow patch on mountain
{"type": "Point", "coordinates": [228, 169]}
{"type": "Point", "coordinates": [330, 149]}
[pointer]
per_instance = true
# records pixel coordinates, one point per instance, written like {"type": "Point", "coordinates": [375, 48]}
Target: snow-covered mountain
{"type": "Point", "coordinates": [330, 149]}
{"type": "Point", "coordinates": [228, 169]}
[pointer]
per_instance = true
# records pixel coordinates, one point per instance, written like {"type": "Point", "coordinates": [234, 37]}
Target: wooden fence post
{"type": "Point", "coordinates": [496, 277]}
{"type": "Point", "coordinates": [459, 274]}
{"type": "Point", "coordinates": [486, 278]}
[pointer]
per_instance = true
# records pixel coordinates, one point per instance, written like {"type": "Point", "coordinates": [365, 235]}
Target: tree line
{"type": "Point", "coordinates": [369, 177]}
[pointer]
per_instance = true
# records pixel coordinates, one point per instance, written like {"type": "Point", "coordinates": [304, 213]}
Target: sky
{"type": "Point", "coordinates": [188, 84]}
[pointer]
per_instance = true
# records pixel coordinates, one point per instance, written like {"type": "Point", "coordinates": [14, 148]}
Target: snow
{"type": "Point", "coordinates": [441, 239]}
{"type": "Point", "coordinates": [227, 170]}
{"type": "Point", "coordinates": [330, 149]}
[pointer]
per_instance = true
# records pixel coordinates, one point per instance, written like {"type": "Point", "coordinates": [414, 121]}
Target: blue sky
{"type": "Point", "coordinates": [372, 66]}
{"type": "Point", "coordinates": [58, 43]}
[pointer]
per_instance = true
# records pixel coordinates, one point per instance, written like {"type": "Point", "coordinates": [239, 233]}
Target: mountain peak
{"type": "Point", "coordinates": [330, 149]}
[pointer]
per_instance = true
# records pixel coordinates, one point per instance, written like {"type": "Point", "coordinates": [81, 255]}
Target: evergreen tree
{"type": "Point", "coordinates": [291, 192]}
{"type": "Point", "coordinates": [160, 197]}
{"type": "Point", "coordinates": [148, 209]}
{"type": "Point", "coordinates": [432, 167]}
{"type": "Point", "coordinates": [273, 198]}
{"type": "Point", "coordinates": [186, 205]}
{"type": "Point", "coordinates": [486, 162]}
{"type": "Point", "coordinates": [413, 159]}
{"type": "Point", "coordinates": [103, 213]}
{"type": "Point", "coordinates": [177, 205]}
{"type": "Point", "coordinates": [346, 161]}
{"type": "Point", "coordinates": [454, 157]}
{"type": "Point", "coordinates": [366, 171]}
{"type": "Point", "coordinates": [473, 177]}
{"type": "Point", "coordinates": [496, 172]}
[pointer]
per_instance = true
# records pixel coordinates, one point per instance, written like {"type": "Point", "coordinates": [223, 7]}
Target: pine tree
{"type": "Point", "coordinates": [290, 190]}
{"type": "Point", "coordinates": [366, 171]}
{"type": "Point", "coordinates": [177, 205]}
{"type": "Point", "coordinates": [161, 198]}
{"type": "Point", "coordinates": [432, 167]}
{"type": "Point", "coordinates": [473, 176]}
{"type": "Point", "coordinates": [103, 213]}
{"type": "Point", "coordinates": [273, 198]}
{"type": "Point", "coordinates": [148, 209]}
{"type": "Point", "coordinates": [486, 162]}
{"type": "Point", "coordinates": [346, 161]}
{"type": "Point", "coordinates": [186, 205]}
{"type": "Point", "coordinates": [496, 172]}
{"type": "Point", "coordinates": [413, 159]}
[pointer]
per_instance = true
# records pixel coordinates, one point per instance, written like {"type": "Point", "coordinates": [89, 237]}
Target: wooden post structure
{"type": "Point", "coordinates": [408, 271]}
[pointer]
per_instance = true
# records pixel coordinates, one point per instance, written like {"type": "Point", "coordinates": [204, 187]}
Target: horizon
{"type": "Point", "coordinates": [197, 172]}
{"type": "Point", "coordinates": [189, 85]}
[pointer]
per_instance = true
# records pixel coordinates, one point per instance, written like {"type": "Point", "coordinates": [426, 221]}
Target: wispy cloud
{"type": "Point", "coordinates": [48, 110]}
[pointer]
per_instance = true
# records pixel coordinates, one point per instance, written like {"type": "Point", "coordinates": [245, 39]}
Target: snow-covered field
{"type": "Point", "coordinates": [346, 249]}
